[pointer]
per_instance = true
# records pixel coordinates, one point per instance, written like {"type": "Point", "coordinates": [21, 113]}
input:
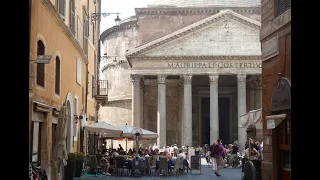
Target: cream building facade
{"type": "Point", "coordinates": [189, 73]}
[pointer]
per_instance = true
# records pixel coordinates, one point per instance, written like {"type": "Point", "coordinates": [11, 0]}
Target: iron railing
{"type": "Point", "coordinates": [102, 88]}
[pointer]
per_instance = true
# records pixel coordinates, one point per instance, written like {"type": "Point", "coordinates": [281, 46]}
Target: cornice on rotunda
{"type": "Point", "coordinates": [113, 65]}
{"type": "Point", "coordinates": [138, 51]}
{"type": "Point", "coordinates": [116, 28]}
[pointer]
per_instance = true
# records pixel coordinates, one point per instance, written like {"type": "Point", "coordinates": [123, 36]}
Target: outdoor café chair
{"type": "Point", "coordinates": [94, 167]}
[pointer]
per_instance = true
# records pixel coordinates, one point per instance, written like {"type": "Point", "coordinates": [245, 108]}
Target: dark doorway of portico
{"type": "Point", "coordinates": [224, 117]}
{"type": "Point", "coordinates": [205, 121]}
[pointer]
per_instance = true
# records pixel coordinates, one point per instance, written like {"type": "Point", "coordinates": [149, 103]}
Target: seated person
{"type": "Point", "coordinates": [104, 162]}
{"type": "Point", "coordinates": [115, 154]}
{"type": "Point", "coordinates": [185, 162]}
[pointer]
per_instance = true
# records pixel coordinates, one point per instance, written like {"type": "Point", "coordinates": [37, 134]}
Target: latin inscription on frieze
{"type": "Point", "coordinates": [236, 65]}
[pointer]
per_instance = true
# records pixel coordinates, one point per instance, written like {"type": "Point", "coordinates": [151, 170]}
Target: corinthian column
{"type": "Point", "coordinates": [136, 104]}
{"type": "Point", "coordinates": [242, 109]}
{"type": "Point", "coordinates": [214, 108]}
{"type": "Point", "coordinates": [161, 115]}
{"type": "Point", "coordinates": [187, 111]}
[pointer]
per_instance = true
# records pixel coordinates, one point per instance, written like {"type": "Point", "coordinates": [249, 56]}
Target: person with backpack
{"type": "Point", "coordinates": [219, 154]}
{"type": "Point", "coordinates": [213, 160]}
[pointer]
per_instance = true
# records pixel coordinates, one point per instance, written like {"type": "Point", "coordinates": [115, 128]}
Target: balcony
{"type": "Point", "coordinates": [102, 90]}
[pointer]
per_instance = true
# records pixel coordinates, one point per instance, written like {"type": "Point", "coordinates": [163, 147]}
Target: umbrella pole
{"type": "Point", "coordinates": [126, 145]}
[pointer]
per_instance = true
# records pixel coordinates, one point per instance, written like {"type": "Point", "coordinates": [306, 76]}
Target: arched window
{"type": "Point", "coordinates": [57, 76]}
{"type": "Point", "coordinates": [40, 66]}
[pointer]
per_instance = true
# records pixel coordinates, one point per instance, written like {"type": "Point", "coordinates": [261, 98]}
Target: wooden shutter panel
{"type": "Point", "coordinates": [72, 17]}
{"type": "Point", "coordinates": [79, 70]}
{"type": "Point", "coordinates": [61, 7]}
{"type": "Point", "coordinates": [85, 36]}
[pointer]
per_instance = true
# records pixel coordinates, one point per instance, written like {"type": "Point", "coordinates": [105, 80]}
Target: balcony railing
{"type": "Point", "coordinates": [102, 88]}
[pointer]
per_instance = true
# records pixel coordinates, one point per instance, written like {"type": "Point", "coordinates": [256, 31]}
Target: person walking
{"type": "Point", "coordinates": [219, 154]}
{"type": "Point", "coordinates": [213, 160]}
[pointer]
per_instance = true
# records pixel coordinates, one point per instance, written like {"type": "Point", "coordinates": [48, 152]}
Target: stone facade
{"type": "Point", "coordinates": [276, 50]}
{"type": "Point", "coordinates": [177, 47]}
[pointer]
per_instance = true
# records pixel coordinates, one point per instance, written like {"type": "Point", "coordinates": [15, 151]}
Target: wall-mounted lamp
{"type": "Point", "coordinates": [117, 20]}
{"type": "Point", "coordinates": [96, 16]}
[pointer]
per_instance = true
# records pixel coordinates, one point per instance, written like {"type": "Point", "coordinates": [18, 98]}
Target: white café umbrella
{"type": "Point", "coordinates": [106, 129]}
{"type": "Point", "coordinates": [60, 155]}
{"type": "Point", "coordinates": [146, 134]}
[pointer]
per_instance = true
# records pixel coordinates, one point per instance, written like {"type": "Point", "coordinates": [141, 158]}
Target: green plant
{"type": "Point", "coordinates": [72, 157]}
{"type": "Point", "coordinates": [79, 156]}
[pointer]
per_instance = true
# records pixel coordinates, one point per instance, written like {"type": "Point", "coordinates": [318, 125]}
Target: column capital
{"type": "Point", "coordinates": [135, 78]}
{"type": "Point", "coordinates": [213, 78]}
{"type": "Point", "coordinates": [186, 79]}
{"type": "Point", "coordinates": [241, 78]}
{"type": "Point", "coordinates": [162, 79]}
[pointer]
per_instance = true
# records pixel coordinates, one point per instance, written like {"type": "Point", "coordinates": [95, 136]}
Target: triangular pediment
{"type": "Point", "coordinates": [224, 34]}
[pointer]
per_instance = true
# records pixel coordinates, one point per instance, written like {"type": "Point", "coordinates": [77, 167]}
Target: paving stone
{"type": "Point", "coordinates": [207, 174]}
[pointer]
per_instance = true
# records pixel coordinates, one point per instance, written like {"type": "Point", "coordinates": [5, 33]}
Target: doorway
{"type": "Point", "coordinates": [224, 119]}
{"type": "Point", "coordinates": [205, 104]}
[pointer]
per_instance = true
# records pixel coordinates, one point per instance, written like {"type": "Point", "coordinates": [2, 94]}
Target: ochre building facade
{"type": "Point", "coordinates": [60, 29]}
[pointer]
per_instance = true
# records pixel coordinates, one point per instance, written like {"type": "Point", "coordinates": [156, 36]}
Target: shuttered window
{"type": "Point", "coordinates": [79, 71]}
{"type": "Point", "coordinates": [281, 6]}
{"type": "Point", "coordinates": [72, 17]}
{"type": "Point", "coordinates": [80, 33]}
{"type": "Point", "coordinates": [93, 86]}
{"type": "Point", "coordinates": [40, 66]}
{"type": "Point", "coordinates": [57, 76]}
{"type": "Point", "coordinates": [85, 35]}
{"type": "Point", "coordinates": [54, 127]}
{"type": "Point", "coordinates": [61, 8]}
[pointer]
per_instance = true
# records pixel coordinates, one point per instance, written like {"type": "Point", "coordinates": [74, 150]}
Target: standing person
{"type": "Point", "coordinates": [213, 160]}
{"type": "Point", "coordinates": [219, 153]}
{"type": "Point", "coordinates": [259, 148]}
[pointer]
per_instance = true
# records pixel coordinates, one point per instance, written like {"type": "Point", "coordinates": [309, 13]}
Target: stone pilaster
{"type": "Point", "coordinates": [187, 108]}
{"type": "Point", "coordinates": [242, 109]}
{"type": "Point", "coordinates": [161, 116]}
{"type": "Point", "coordinates": [214, 108]}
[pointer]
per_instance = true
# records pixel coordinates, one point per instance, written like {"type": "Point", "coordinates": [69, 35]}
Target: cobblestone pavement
{"type": "Point", "coordinates": [207, 173]}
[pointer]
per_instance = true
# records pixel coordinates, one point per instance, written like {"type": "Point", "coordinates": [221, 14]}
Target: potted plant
{"type": "Point", "coordinates": [79, 163]}
{"type": "Point", "coordinates": [69, 170]}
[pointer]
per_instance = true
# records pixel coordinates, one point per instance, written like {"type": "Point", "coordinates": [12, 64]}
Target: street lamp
{"type": "Point", "coordinates": [96, 16]}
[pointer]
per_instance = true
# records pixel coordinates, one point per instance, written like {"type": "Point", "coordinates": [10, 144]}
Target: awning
{"type": "Point", "coordinates": [251, 118]}
{"type": "Point", "coordinates": [274, 120]}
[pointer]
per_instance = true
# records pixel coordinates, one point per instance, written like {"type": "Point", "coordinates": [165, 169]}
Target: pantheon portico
{"type": "Point", "coordinates": [194, 80]}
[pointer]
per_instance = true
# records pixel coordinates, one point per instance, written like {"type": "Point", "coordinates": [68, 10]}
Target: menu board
{"type": "Point", "coordinates": [195, 162]}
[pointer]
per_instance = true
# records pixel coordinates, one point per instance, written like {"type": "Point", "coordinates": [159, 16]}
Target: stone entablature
{"type": "Point", "coordinates": [183, 67]}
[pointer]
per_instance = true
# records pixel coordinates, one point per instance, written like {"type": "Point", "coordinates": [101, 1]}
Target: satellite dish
{"type": "Point", "coordinates": [252, 131]}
